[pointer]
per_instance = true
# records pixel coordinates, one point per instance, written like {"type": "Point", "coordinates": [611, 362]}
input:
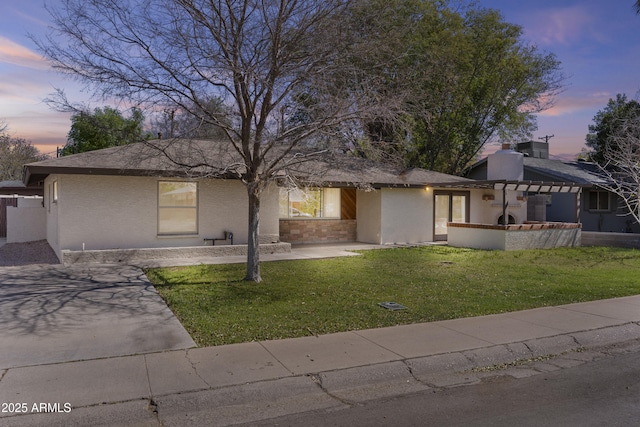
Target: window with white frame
{"type": "Point", "coordinates": [177, 207]}
{"type": "Point", "coordinates": [308, 203]}
{"type": "Point", "coordinates": [599, 201]}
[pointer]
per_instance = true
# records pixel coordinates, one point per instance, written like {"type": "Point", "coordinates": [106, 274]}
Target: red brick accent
{"type": "Point", "coordinates": [318, 230]}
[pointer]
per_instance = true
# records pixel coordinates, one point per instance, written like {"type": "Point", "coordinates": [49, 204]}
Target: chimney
{"type": "Point", "coordinates": [535, 149]}
{"type": "Point", "coordinates": [505, 164]}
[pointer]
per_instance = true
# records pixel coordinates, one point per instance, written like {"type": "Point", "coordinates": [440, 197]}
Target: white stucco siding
{"type": "Point", "coordinates": [486, 211]}
{"type": "Point", "coordinates": [51, 215]}
{"type": "Point", "coordinates": [407, 215]}
{"type": "Point", "coordinates": [27, 221]}
{"type": "Point", "coordinates": [369, 216]}
{"type": "Point", "coordinates": [481, 210]}
{"type": "Point", "coordinates": [111, 212]}
{"type": "Point", "coordinates": [269, 212]}
{"type": "Point", "coordinates": [107, 212]}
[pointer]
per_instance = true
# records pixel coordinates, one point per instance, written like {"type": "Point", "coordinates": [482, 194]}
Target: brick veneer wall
{"type": "Point", "coordinates": [318, 230]}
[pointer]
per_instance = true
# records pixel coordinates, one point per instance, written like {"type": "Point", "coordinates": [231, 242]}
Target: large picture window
{"type": "Point", "coordinates": [177, 207]}
{"type": "Point", "coordinates": [310, 203]}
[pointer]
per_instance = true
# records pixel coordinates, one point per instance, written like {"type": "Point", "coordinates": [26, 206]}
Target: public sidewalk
{"type": "Point", "coordinates": [246, 383]}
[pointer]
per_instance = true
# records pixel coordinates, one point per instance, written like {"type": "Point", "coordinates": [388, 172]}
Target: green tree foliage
{"type": "Point", "coordinates": [466, 76]}
{"type": "Point", "coordinates": [14, 153]}
{"type": "Point", "coordinates": [105, 127]}
{"type": "Point", "coordinates": [607, 123]}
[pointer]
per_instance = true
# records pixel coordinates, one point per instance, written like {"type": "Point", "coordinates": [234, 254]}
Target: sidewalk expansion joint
{"type": "Point", "coordinates": [278, 360]}
{"type": "Point", "coordinates": [195, 370]}
{"type": "Point", "coordinates": [379, 345]}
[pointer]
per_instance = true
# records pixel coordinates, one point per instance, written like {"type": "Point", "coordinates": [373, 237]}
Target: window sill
{"type": "Point", "coordinates": [302, 218]}
{"type": "Point", "coordinates": [176, 236]}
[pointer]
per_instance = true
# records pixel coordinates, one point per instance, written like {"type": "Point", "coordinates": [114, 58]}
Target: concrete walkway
{"type": "Point", "coordinates": [244, 383]}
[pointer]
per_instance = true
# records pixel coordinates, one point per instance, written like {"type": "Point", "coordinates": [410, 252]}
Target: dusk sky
{"type": "Point", "coordinates": [597, 42]}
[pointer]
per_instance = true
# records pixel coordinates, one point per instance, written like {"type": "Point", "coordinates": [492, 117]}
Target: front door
{"type": "Point", "coordinates": [452, 206]}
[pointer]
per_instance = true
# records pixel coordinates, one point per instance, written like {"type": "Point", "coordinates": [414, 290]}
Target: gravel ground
{"type": "Point", "coordinates": [27, 253]}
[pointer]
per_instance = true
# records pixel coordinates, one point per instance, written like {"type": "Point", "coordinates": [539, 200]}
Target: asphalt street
{"type": "Point", "coordinates": [602, 392]}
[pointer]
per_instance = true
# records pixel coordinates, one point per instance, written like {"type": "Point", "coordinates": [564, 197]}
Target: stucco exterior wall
{"type": "Point", "coordinates": [407, 215]}
{"type": "Point", "coordinates": [113, 212]}
{"type": "Point", "coordinates": [485, 210]}
{"type": "Point", "coordinates": [515, 237]}
{"type": "Point", "coordinates": [476, 238]}
{"type": "Point", "coordinates": [369, 216]}
{"type": "Point", "coordinates": [27, 221]}
{"type": "Point", "coordinates": [51, 208]}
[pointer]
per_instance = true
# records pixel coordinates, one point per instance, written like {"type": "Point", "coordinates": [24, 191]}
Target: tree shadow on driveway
{"type": "Point", "coordinates": [54, 313]}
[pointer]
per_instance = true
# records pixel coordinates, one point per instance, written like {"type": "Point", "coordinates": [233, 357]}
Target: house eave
{"type": "Point", "coordinates": [510, 185]}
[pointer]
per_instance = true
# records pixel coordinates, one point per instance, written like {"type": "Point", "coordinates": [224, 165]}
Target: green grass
{"type": "Point", "coordinates": [307, 297]}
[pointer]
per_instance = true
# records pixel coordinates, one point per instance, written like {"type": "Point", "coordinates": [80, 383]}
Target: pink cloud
{"type": "Point", "coordinates": [16, 54]}
{"type": "Point", "coordinates": [574, 104]}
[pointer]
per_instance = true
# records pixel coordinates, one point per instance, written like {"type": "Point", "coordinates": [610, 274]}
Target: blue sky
{"type": "Point", "coordinates": [597, 42]}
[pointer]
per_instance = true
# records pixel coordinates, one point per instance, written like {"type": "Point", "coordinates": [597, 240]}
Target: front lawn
{"type": "Point", "coordinates": [307, 297]}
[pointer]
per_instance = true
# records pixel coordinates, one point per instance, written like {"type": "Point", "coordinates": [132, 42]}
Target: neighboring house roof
{"type": "Point", "coordinates": [205, 158]}
{"type": "Point", "coordinates": [585, 173]}
{"type": "Point", "coordinates": [11, 188]}
{"type": "Point", "coordinates": [578, 172]}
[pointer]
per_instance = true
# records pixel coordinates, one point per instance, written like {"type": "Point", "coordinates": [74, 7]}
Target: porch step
{"type": "Point", "coordinates": [118, 256]}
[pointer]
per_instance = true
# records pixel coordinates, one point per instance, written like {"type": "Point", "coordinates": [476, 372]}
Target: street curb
{"type": "Point", "coordinates": [330, 390]}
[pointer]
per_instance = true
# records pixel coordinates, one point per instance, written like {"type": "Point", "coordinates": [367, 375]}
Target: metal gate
{"type": "Point", "coordinates": [4, 202]}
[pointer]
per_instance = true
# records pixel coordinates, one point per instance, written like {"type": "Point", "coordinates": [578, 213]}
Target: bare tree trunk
{"type": "Point", "coordinates": [253, 249]}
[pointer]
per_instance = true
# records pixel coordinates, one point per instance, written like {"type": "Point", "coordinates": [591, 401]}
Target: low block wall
{"type": "Point", "coordinates": [318, 230]}
{"type": "Point", "coordinates": [26, 224]}
{"type": "Point", "coordinates": [117, 256]}
{"type": "Point", "coordinates": [619, 240]}
{"type": "Point", "coordinates": [515, 236]}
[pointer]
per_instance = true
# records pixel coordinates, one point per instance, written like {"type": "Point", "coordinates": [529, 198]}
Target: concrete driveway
{"type": "Point", "coordinates": [54, 313]}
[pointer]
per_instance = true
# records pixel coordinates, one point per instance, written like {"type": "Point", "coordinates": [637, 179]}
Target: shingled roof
{"type": "Point", "coordinates": [578, 172]}
{"type": "Point", "coordinates": [205, 158]}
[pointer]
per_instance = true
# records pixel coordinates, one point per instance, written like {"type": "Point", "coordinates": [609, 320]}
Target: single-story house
{"type": "Point", "coordinates": [136, 197]}
{"type": "Point", "coordinates": [597, 209]}
{"type": "Point", "coordinates": [142, 196]}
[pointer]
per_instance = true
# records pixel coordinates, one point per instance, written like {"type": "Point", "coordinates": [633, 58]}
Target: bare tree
{"type": "Point", "coordinates": [14, 153]}
{"type": "Point", "coordinates": [622, 166]}
{"type": "Point", "coordinates": [257, 56]}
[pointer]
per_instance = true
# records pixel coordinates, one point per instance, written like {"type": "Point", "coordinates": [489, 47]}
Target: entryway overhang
{"type": "Point", "coordinates": [529, 186]}
{"type": "Point", "coordinates": [524, 186]}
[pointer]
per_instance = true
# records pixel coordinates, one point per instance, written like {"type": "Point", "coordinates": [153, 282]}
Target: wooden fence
{"type": "Point", "coordinates": [4, 202]}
